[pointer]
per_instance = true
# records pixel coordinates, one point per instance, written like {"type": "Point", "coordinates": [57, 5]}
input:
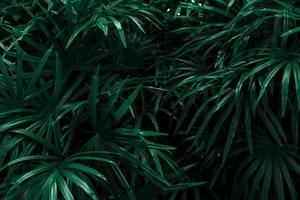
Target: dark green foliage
{"type": "Point", "coordinates": [246, 84]}
{"type": "Point", "coordinates": [158, 99]}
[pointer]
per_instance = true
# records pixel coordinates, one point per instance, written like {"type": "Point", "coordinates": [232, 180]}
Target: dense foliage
{"type": "Point", "coordinates": [156, 99]}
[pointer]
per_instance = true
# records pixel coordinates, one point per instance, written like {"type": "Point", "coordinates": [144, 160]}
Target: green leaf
{"type": "Point", "coordinates": [15, 123]}
{"type": "Point", "coordinates": [85, 169]}
{"type": "Point", "coordinates": [94, 98]}
{"type": "Point", "coordinates": [278, 183]}
{"type": "Point", "coordinates": [38, 70]}
{"type": "Point", "coordinates": [266, 181]}
{"type": "Point", "coordinates": [267, 81]}
{"type": "Point", "coordinates": [120, 30]}
{"type": "Point", "coordinates": [81, 183]}
{"type": "Point", "coordinates": [296, 71]}
{"type": "Point", "coordinates": [58, 76]}
{"type": "Point", "coordinates": [248, 127]}
{"type": "Point", "coordinates": [285, 87]}
{"type": "Point", "coordinates": [38, 139]}
{"type": "Point", "coordinates": [125, 106]}
{"type": "Point", "coordinates": [64, 188]}
{"type": "Point", "coordinates": [81, 28]}
{"type": "Point", "coordinates": [137, 22]}
{"type": "Point", "coordinates": [270, 126]}
{"type": "Point", "coordinates": [20, 73]}
{"type": "Point", "coordinates": [36, 171]}
{"type": "Point", "coordinates": [124, 182]}
{"type": "Point", "coordinates": [3, 68]}
{"type": "Point", "coordinates": [257, 179]}
{"type": "Point", "coordinates": [103, 25]}
{"type": "Point", "coordinates": [231, 134]}
{"type": "Point", "coordinates": [292, 31]}
{"type": "Point", "coordinates": [53, 191]}
{"type": "Point", "coordinates": [29, 158]}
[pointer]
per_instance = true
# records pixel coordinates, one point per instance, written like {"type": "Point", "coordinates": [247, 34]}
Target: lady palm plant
{"type": "Point", "coordinates": [71, 127]}
{"type": "Point", "coordinates": [132, 99]}
{"type": "Point", "coordinates": [242, 88]}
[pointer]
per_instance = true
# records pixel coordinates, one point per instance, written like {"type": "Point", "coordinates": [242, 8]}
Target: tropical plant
{"type": "Point", "coordinates": [153, 99]}
{"type": "Point", "coordinates": [241, 87]}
